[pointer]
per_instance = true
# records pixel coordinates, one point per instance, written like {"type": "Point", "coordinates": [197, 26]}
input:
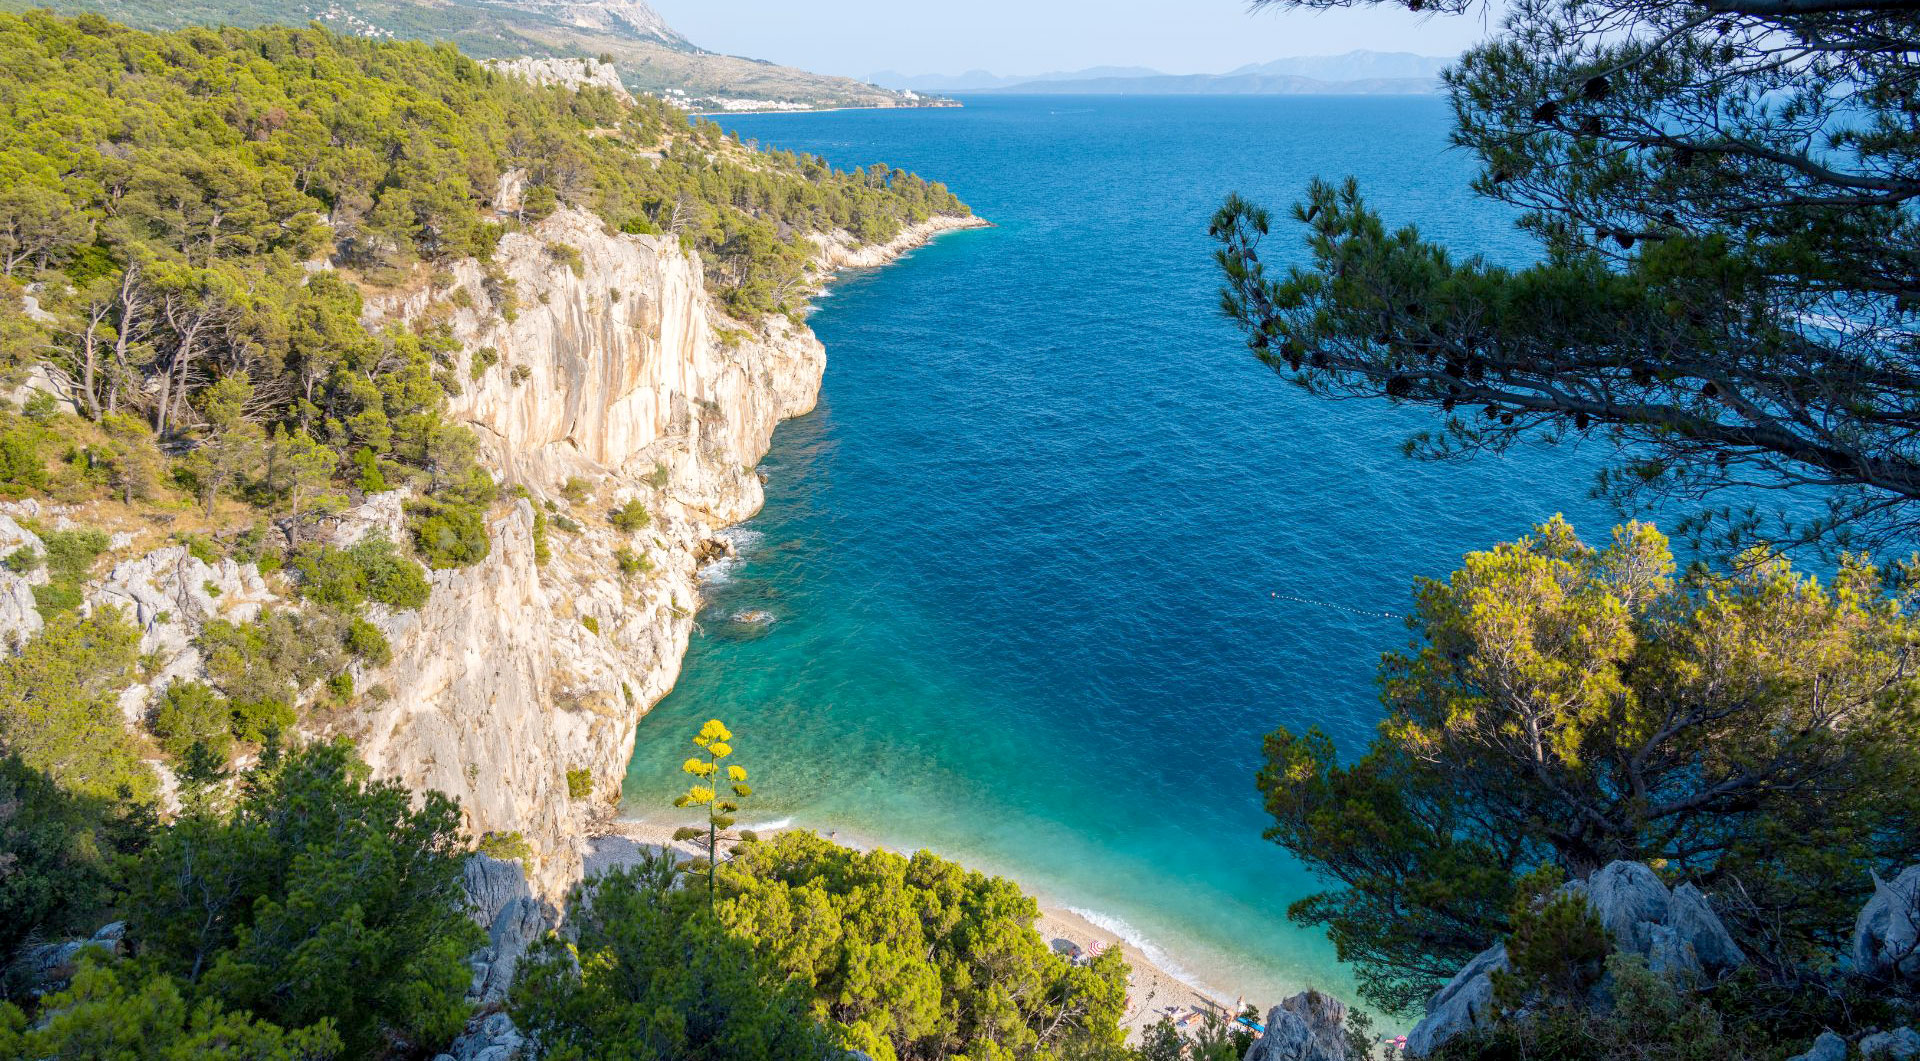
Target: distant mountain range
{"type": "Point", "coordinates": [650, 55]}
{"type": "Point", "coordinates": [1359, 73]}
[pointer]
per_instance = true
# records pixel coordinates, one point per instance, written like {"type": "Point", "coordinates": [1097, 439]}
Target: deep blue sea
{"type": "Point", "coordinates": [1031, 558]}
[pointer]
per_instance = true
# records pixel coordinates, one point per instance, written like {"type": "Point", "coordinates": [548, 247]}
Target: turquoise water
{"type": "Point", "coordinates": [1024, 558]}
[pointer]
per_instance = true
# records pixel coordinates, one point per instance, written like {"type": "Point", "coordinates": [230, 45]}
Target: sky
{"type": "Point", "coordinates": [859, 37]}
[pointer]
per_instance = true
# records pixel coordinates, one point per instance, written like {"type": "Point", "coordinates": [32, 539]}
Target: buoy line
{"type": "Point", "coordinates": [1337, 607]}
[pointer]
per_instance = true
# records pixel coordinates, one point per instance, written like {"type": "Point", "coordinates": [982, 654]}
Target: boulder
{"type": "Point", "coordinates": [1898, 1044]}
{"type": "Point", "coordinates": [1464, 1005]}
{"type": "Point", "coordinates": [1628, 898]}
{"type": "Point", "coordinates": [1886, 936]}
{"type": "Point", "coordinates": [500, 901]}
{"type": "Point", "coordinates": [1675, 930]}
{"type": "Point", "coordinates": [1828, 1047]}
{"type": "Point", "coordinates": [490, 1037]}
{"type": "Point", "coordinates": [1309, 1026]}
{"type": "Point", "coordinates": [19, 616]}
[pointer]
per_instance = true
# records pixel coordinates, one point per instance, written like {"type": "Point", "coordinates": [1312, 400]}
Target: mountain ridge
{"type": "Point", "coordinates": [1358, 72]}
{"type": "Point", "coordinates": [651, 55]}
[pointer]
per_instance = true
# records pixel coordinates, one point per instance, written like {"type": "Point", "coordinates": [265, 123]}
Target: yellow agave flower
{"type": "Point", "coordinates": [736, 773]}
{"type": "Point", "coordinates": [700, 794]}
{"type": "Point", "coordinates": [714, 730]}
{"type": "Point", "coordinates": [721, 751]}
{"type": "Point", "coordinates": [694, 767]}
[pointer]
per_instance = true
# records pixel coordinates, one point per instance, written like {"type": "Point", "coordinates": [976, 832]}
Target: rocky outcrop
{"type": "Point", "coordinates": [572, 74]}
{"type": "Point", "coordinates": [492, 1037]}
{"type": "Point", "coordinates": [48, 968]}
{"type": "Point", "coordinates": [1674, 930]}
{"type": "Point", "coordinates": [1896, 1045]}
{"type": "Point", "coordinates": [617, 372]}
{"type": "Point", "coordinates": [1886, 936]}
{"type": "Point", "coordinates": [501, 902]}
{"type": "Point", "coordinates": [1828, 1047]}
{"type": "Point", "coordinates": [1309, 1026]}
{"type": "Point", "coordinates": [1464, 1005]}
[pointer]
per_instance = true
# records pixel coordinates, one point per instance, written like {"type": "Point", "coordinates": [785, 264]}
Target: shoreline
{"type": "Point", "coordinates": [841, 251]}
{"type": "Point", "coordinates": [954, 106]}
{"type": "Point", "coordinates": [1153, 992]}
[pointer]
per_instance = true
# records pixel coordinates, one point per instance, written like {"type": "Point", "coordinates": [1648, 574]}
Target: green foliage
{"type": "Point", "coordinates": [114, 1012]}
{"type": "Point", "coordinates": [568, 255]}
{"type": "Point", "coordinates": [59, 710]}
{"type": "Point", "coordinates": [190, 714]}
{"type": "Point", "coordinates": [1557, 952]}
{"type": "Point", "coordinates": [579, 783]}
{"type": "Point", "coordinates": [59, 854]}
{"type": "Point", "coordinates": [368, 570]}
{"type": "Point", "coordinates": [1566, 706]}
{"type": "Point", "coordinates": [322, 897]}
{"type": "Point", "coordinates": [508, 847]}
{"type": "Point", "coordinates": [483, 359]}
{"type": "Point", "coordinates": [68, 557]}
{"type": "Point", "coordinates": [657, 977]}
{"type": "Point", "coordinates": [542, 548]}
{"type": "Point", "coordinates": [367, 642]}
{"type": "Point", "coordinates": [592, 624]}
{"type": "Point", "coordinates": [574, 489]}
{"type": "Point", "coordinates": [630, 517]}
{"type": "Point", "coordinates": [918, 958]}
{"type": "Point", "coordinates": [631, 563]}
{"type": "Point", "coordinates": [262, 667]}
{"type": "Point", "coordinates": [814, 949]}
{"type": "Point", "coordinates": [1650, 1020]}
{"type": "Point", "coordinates": [1723, 287]}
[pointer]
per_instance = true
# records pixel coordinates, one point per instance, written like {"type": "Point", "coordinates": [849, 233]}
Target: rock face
{"type": "Point", "coordinates": [1675, 930]}
{"type": "Point", "coordinates": [573, 74]}
{"type": "Point", "coordinates": [1898, 1044]}
{"type": "Point", "coordinates": [489, 1038]}
{"type": "Point", "coordinates": [616, 373]}
{"type": "Point", "coordinates": [19, 619]}
{"type": "Point", "coordinates": [1307, 1027]}
{"type": "Point", "coordinates": [1464, 1005]}
{"type": "Point", "coordinates": [503, 904]}
{"type": "Point", "coordinates": [1886, 937]}
{"type": "Point", "coordinates": [1828, 1047]}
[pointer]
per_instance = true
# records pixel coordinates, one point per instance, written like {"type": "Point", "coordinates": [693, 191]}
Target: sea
{"type": "Point", "coordinates": [1055, 552]}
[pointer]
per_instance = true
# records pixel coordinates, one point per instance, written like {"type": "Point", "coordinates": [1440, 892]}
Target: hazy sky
{"type": "Point", "coordinates": [859, 37]}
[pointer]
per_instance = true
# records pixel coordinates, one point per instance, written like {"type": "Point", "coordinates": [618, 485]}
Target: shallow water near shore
{"type": "Point", "coordinates": [1055, 551]}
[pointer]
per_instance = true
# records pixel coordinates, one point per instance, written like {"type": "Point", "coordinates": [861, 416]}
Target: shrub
{"type": "Point", "coordinates": [483, 359]}
{"type": "Point", "coordinates": [450, 535]}
{"type": "Point", "coordinates": [565, 523]}
{"type": "Point", "coordinates": [201, 548]}
{"type": "Point", "coordinates": [579, 783]}
{"type": "Point", "coordinates": [568, 255]}
{"type": "Point", "coordinates": [263, 666]}
{"type": "Point", "coordinates": [59, 705]}
{"type": "Point", "coordinates": [630, 517]}
{"type": "Point", "coordinates": [574, 489]}
{"type": "Point", "coordinates": [366, 641]}
{"type": "Point", "coordinates": [368, 475]}
{"type": "Point", "coordinates": [191, 713]}
{"type": "Point", "coordinates": [369, 569]}
{"type": "Point", "coordinates": [590, 623]}
{"type": "Point", "coordinates": [542, 551]}
{"type": "Point", "coordinates": [632, 563]}
{"type": "Point", "coordinates": [507, 847]}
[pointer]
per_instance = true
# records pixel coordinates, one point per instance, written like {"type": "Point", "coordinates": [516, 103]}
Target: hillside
{"type": "Point", "coordinates": [652, 57]}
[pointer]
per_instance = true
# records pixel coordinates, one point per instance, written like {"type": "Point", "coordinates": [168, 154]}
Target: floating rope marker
{"type": "Point", "coordinates": [1337, 607]}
